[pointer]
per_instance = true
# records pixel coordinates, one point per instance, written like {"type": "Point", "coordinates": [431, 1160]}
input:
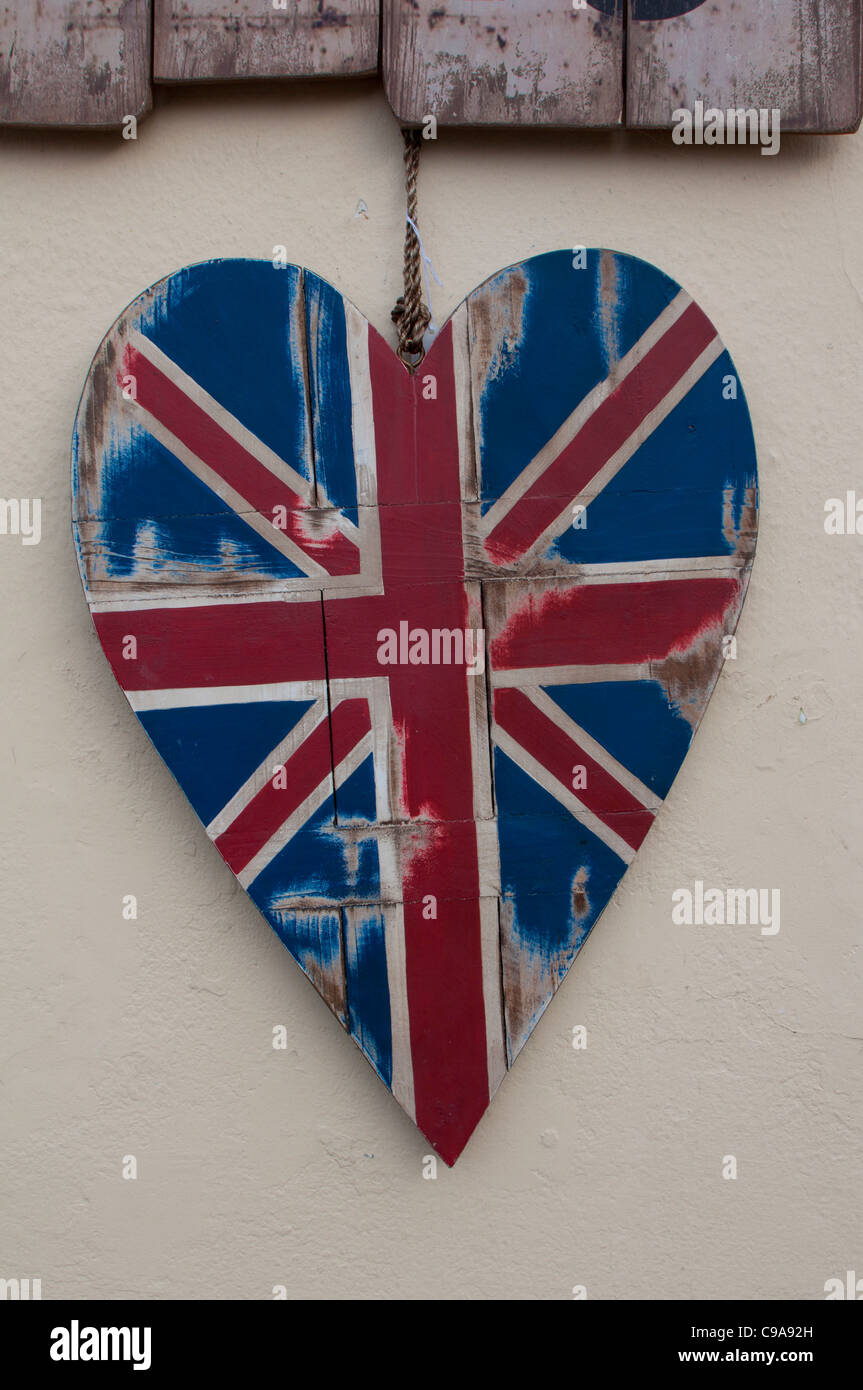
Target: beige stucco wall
{"type": "Point", "coordinates": [603, 1167]}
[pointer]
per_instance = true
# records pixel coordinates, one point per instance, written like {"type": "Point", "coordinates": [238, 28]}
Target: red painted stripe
{"type": "Point", "coordinates": [559, 754]}
{"type": "Point", "coordinates": [261, 488]}
{"type": "Point", "coordinates": [431, 716]}
{"type": "Point", "coordinates": [306, 768]}
{"type": "Point", "coordinates": [451, 842]}
{"type": "Point", "coordinates": [607, 429]}
{"type": "Point", "coordinates": [349, 723]}
{"type": "Point", "coordinates": [218, 644]}
{"type": "Point", "coordinates": [611, 623]}
{"type": "Point", "coordinates": [437, 424]}
{"type": "Point", "coordinates": [393, 392]}
{"type": "Point", "coordinates": [447, 1022]}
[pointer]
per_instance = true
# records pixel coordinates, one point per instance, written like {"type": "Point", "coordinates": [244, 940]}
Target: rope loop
{"type": "Point", "coordinates": [410, 314]}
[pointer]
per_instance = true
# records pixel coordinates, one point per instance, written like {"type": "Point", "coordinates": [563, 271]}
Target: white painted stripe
{"type": "Point", "coordinates": [369, 579]}
{"type": "Point", "coordinates": [595, 750]}
{"type": "Point", "coordinates": [487, 858]}
{"type": "Point", "coordinates": [397, 978]}
{"type": "Point", "coordinates": [463, 398]}
{"type": "Point", "coordinates": [572, 675]}
{"type": "Point", "coordinates": [376, 691]}
{"type": "Point", "coordinates": [534, 769]}
{"type": "Point", "coordinates": [582, 413]}
{"type": "Point", "coordinates": [270, 591]}
{"type": "Point", "coordinates": [477, 694]}
{"type": "Point", "coordinates": [294, 588]}
{"type": "Point", "coordinates": [651, 571]}
{"type": "Point", "coordinates": [362, 416]}
{"type": "Point", "coordinates": [314, 716]}
{"type": "Point", "coordinates": [188, 696]}
{"type": "Point", "coordinates": [492, 992]}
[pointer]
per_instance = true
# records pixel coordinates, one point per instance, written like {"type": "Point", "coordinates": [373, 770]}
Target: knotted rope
{"type": "Point", "coordinates": [410, 314]}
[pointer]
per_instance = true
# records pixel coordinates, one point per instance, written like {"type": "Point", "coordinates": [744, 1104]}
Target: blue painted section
{"type": "Point", "coordinates": [355, 798]}
{"type": "Point", "coordinates": [330, 393]}
{"type": "Point", "coordinates": [235, 326]}
{"type": "Point", "coordinates": [567, 341]}
{"type": "Point", "coordinates": [310, 866]}
{"type": "Point", "coordinates": [213, 749]}
{"type": "Point", "coordinates": [174, 549]}
{"type": "Point", "coordinates": [556, 879]}
{"type": "Point", "coordinates": [313, 939]}
{"type": "Point", "coordinates": [141, 479]}
{"type": "Point", "coordinates": [635, 721]}
{"type": "Point", "coordinates": [315, 862]}
{"type": "Point", "coordinates": [355, 802]}
{"type": "Point", "coordinates": [658, 9]}
{"type": "Point", "coordinates": [670, 498]}
{"type": "Point", "coordinates": [368, 990]}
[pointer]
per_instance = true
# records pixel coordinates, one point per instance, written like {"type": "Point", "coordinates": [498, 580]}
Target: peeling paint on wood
{"type": "Point", "coordinates": [223, 40]}
{"type": "Point", "coordinates": [803, 59]}
{"type": "Point", "coordinates": [503, 62]}
{"type": "Point", "coordinates": [314, 940]}
{"type": "Point", "coordinates": [82, 63]}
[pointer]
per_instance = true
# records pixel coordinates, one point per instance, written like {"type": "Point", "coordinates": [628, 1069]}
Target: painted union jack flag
{"type": "Point", "coordinates": [426, 651]}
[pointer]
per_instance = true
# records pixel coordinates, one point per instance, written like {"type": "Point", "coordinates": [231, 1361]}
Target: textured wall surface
{"type": "Point", "coordinates": [600, 1167]}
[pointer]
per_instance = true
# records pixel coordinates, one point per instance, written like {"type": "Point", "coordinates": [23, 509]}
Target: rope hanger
{"type": "Point", "coordinates": [411, 314]}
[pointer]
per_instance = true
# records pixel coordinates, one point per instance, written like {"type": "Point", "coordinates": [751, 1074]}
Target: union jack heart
{"type": "Point", "coordinates": [424, 651]}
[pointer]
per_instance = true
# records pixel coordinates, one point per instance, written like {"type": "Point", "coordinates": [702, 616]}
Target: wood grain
{"type": "Point", "coordinates": [802, 59]}
{"type": "Point", "coordinates": [503, 62]}
{"type": "Point", "coordinates": [79, 63]}
{"type": "Point", "coordinates": [222, 40]}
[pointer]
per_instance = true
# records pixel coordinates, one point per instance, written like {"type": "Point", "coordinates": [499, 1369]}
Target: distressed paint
{"type": "Point", "coordinates": [412, 829]}
{"type": "Point", "coordinates": [802, 59]}
{"type": "Point", "coordinates": [82, 63]}
{"type": "Point", "coordinates": [225, 40]}
{"type": "Point", "coordinates": [503, 62]}
{"type": "Point", "coordinates": [314, 939]}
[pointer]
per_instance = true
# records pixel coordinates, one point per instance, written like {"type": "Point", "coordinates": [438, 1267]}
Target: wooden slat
{"type": "Point", "coordinates": [504, 62]}
{"type": "Point", "coordinates": [74, 62]}
{"type": "Point", "coordinates": [802, 59]}
{"type": "Point", "coordinates": [220, 40]}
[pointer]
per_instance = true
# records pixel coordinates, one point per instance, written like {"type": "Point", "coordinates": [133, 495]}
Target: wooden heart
{"type": "Point", "coordinates": [424, 652]}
